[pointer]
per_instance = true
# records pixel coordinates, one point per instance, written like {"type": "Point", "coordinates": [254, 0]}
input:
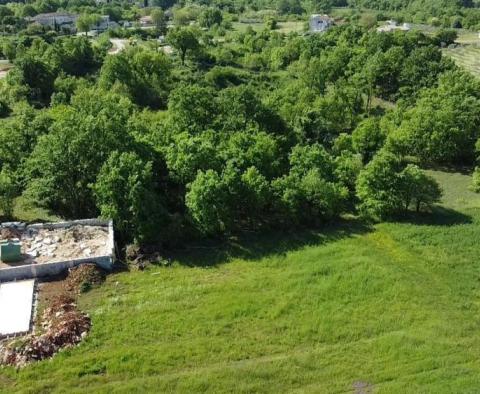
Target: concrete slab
{"type": "Point", "coordinates": [16, 299]}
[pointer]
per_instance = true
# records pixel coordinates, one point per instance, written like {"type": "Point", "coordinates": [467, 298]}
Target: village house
{"type": "Point", "coordinates": [56, 20]}
{"type": "Point", "coordinates": [320, 23]}
{"type": "Point", "coordinates": [392, 25]}
{"type": "Point", "coordinates": [146, 20]}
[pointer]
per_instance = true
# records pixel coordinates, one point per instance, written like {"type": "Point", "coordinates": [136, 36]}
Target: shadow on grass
{"type": "Point", "coordinates": [439, 216]}
{"type": "Point", "coordinates": [451, 169]}
{"type": "Point", "coordinates": [254, 246]}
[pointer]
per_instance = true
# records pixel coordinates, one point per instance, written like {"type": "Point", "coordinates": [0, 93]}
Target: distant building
{"type": "Point", "coordinates": [320, 23]}
{"type": "Point", "coordinates": [392, 25]}
{"type": "Point", "coordinates": [56, 20]}
{"type": "Point", "coordinates": [104, 24]}
{"type": "Point", "coordinates": [146, 20]}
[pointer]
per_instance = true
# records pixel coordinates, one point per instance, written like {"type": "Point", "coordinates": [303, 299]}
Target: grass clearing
{"type": "Point", "coordinates": [393, 307]}
{"type": "Point", "coordinates": [468, 37]}
{"type": "Point", "coordinates": [282, 27]}
{"type": "Point", "coordinates": [466, 56]}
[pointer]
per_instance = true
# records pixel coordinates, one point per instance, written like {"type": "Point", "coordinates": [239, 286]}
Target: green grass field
{"type": "Point", "coordinates": [391, 308]}
{"type": "Point", "coordinates": [466, 56]}
{"type": "Point", "coordinates": [468, 37]}
{"type": "Point", "coordinates": [283, 27]}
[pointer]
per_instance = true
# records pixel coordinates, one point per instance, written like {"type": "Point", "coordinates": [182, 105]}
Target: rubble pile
{"type": "Point", "coordinates": [38, 245]}
{"type": "Point", "coordinates": [140, 258]}
{"type": "Point", "coordinates": [10, 233]}
{"type": "Point", "coordinates": [62, 326]}
{"type": "Point", "coordinates": [64, 243]}
{"type": "Point", "coordinates": [84, 277]}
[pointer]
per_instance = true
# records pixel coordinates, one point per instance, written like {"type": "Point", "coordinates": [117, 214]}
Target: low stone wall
{"type": "Point", "coordinates": [83, 222]}
{"type": "Point", "coordinates": [50, 269]}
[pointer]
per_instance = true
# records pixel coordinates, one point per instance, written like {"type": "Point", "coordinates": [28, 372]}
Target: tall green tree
{"type": "Point", "coordinates": [207, 201]}
{"type": "Point", "coordinates": [125, 192]}
{"type": "Point", "coordinates": [368, 138]}
{"type": "Point", "coordinates": [184, 40]}
{"type": "Point", "coordinates": [8, 192]}
{"type": "Point", "coordinates": [66, 161]}
{"type": "Point", "coordinates": [143, 74]}
{"type": "Point", "coordinates": [86, 21]}
{"type": "Point", "coordinates": [36, 75]}
{"type": "Point", "coordinates": [209, 17]}
{"type": "Point", "coordinates": [388, 186]}
{"type": "Point", "coordinates": [159, 20]}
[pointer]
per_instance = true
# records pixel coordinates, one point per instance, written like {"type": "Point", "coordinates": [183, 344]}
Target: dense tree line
{"type": "Point", "coordinates": [220, 13]}
{"type": "Point", "coordinates": [260, 130]}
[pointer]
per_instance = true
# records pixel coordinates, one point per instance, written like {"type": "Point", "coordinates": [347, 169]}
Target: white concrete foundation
{"type": "Point", "coordinates": [16, 300]}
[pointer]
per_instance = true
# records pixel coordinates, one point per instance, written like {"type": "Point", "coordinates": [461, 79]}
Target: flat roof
{"type": "Point", "coordinates": [16, 301]}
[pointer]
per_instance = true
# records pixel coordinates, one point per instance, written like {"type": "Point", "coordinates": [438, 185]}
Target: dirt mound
{"type": "Point", "coordinates": [140, 258]}
{"type": "Point", "coordinates": [84, 277]}
{"type": "Point", "coordinates": [9, 233]}
{"type": "Point", "coordinates": [63, 326]}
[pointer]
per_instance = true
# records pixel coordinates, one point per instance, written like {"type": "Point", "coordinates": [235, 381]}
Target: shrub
{"type": "Point", "coordinates": [388, 186]}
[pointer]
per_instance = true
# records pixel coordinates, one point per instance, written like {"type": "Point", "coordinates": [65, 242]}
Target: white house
{"type": "Point", "coordinates": [392, 25]}
{"type": "Point", "coordinates": [320, 23]}
{"type": "Point", "coordinates": [146, 20]}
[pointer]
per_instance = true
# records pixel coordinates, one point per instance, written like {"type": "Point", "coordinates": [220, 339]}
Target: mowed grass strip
{"type": "Point", "coordinates": [282, 27]}
{"type": "Point", "coordinates": [389, 308]}
{"type": "Point", "coordinates": [467, 56]}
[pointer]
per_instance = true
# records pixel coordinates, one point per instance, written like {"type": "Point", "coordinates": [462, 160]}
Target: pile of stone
{"type": "Point", "coordinates": [38, 245]}
{"type": "Point", "coordinates": [44, 245]}
{"type": "Point", "coordinates": [62, 326]}
{"type": "Point", "coordinates": [10, 233]}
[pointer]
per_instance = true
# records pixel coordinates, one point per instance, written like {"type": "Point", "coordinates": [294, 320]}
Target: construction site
{"type": "Point", "coordinates": [52, 262]}
{"type": "Point", "coordinates": [37, 250]}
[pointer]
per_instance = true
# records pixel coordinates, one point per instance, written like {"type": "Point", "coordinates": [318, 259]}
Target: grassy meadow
{"type": "Point", "coordinates": [282, 26]}
{"type": "Point", "coordinates": [466, 56]}
{"type": "Point", "coordinates": [386, 308]}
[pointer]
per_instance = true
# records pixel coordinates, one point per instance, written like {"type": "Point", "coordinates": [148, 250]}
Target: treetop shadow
{"type": "Point", "coordinates": [439, 216]}
{"type": "Point", "coordinates": [254, 246]}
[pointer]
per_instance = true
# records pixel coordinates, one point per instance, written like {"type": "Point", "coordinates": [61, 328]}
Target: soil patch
{"type": "Point", "coordinates": [59, 323]}
{"type": "Point", "coordinates": [84, 277]}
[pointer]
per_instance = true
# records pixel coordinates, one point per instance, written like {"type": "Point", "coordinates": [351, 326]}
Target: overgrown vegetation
{"type": "Point", "coordinates": [221, 125]}
{"type": "Point", "coordinates": [261, 130]}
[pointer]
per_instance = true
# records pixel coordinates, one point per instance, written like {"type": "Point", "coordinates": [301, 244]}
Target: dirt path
{"type": "Point", "coordinates": [118, 45]}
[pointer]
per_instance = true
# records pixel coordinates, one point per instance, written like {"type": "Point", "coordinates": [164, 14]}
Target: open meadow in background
{"type": "Point", "coordinates": [466, 56]}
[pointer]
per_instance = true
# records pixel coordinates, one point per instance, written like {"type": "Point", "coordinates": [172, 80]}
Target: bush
{"type": "Point", "coordinates": [8, 191]}
{"type": "Point", "coordinates": [446, 37]}
{"type": "Point", "coordinates": [476, 180]}
{"type": "Point", "coordinates": [271, 23]}
{"type": "Point", "coordinates": [4, 110]}
{"type": "Point", "coordinates": [388, 186]}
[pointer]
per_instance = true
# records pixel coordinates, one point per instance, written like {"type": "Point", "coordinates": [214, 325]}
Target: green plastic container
{"type": "Point", "coordinates": [10, 251]}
